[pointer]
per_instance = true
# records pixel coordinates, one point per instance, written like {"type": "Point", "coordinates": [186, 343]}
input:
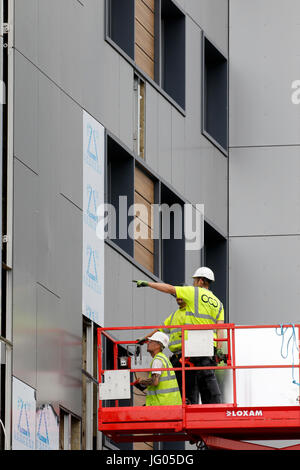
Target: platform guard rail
{"type": "Point", "coordinates": [220, 426]}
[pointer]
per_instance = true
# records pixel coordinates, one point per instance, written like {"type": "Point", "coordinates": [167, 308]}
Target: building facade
{"type": "Point", "coordinates": [184, 103]}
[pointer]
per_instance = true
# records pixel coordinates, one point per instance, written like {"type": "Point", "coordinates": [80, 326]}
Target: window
{"type": "Point", "coordinates": [121, 24]}
{"type": "Point", "coordinates": [120, 193]}
{"type": "Point", "coordinates": [90, 435]}
{"type": "Point", "coordinates": [145, 36]}
{"type": "Point", "coordinates": [144, 198]}
{"type": "Point", "coordinates": [152, 35]}
{"type": "Point", "coordinates": [173, 51]}
{"type": "Point", "coordinates": [215, 256]}
{"type": "Point", "coordinates": [173, 240]}
{"type": "Point", "coordinates": [215, 95]}
{"type": "Point", "coordinates": [146, 217]}
{"type": "Point", "coordinates": [69, 431]}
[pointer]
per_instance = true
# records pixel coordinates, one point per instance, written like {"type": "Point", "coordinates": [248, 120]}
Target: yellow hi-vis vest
{"type": "Point", "coordinates": [202, 306]}
{"type": "Point", "coordinates": [167, 391]}
{"type": "Point", "coordinates": [176, 318]}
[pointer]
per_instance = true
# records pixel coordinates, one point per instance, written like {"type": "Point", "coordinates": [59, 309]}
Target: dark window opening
{"type": "Point", "coordinates": [173, 51]}
{"type": "Point", "coordinates": [172, 237]}
{"type": "Point", "coordinates": [121, 24]}
{"type": "Point", "coordinates": [120, 194]}
{"type": "Point", "coordinates": [215, 257]}
{"type": "Point", "coordinates": [215, 95]}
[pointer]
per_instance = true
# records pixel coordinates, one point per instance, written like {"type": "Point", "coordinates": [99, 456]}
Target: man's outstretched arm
{"type": "Point", "coordinates": [166, 288]}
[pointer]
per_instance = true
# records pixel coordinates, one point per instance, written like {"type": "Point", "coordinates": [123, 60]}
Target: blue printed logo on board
{"type": "Point", "coordinates": [91, 313]}
{"type": "Point", "coordinates": [42, 432]}
{"type": "Point", "coordinates": [90, 216]}
{"type": "Point", "coordinates": [91, 273]}
{"type": "Point", "coordinates": [22, 433]}
{"type": "Point", "coordinates": [92, 153]}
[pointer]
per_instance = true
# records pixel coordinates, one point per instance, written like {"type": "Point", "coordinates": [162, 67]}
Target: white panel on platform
{"type": "Point", "coordinates": [199, 343]}
{"type": "Point", "coordinates": [116, 385]}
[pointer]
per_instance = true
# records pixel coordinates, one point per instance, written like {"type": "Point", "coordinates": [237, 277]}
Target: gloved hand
{"type": "Point", "coordinates": [220, 356]}
{"type": "Point", "coordinates": [141, 341]}
{"type": "Point", "coordinates": [142, 284]}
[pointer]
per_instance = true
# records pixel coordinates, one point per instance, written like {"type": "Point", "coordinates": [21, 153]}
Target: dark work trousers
{"type": "Point", "coordinates": [191, 389]}
{"type": "Point", "coordinates": [198, 381]}
{"type": "Point", "coordinates": [206, 381]}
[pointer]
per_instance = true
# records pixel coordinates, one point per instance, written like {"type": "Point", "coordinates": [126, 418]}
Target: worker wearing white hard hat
{"type": "Point", "coordinates": [162, 386]}
{"type": "Point", "coordinates": [202, 307]}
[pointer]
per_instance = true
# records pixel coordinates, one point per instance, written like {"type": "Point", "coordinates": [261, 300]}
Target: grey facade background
{"type": "Point", "coordinates": [264, 167]}
{"type": "Point", "coordinates": [64, 65]}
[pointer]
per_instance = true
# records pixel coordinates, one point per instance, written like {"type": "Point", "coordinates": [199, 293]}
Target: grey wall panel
{"type": "Point", "coordinates": [126, 104]}
{"type": "Point", "coordinates": [164, 139]}
{"type": "Point", "coordinates": [69, 274]}
{"type": "Point", "coordinates": [151, 143]}
{"type": "Point", "coordinates": [205, 166]}
{"type": "Point", "coordinates": [212, 16]}
{"type": "Point", "coordinates": [26, 21]}
{"type": "Point", "coordinates": [193, 88]}
{"type": "Point", "coordinates": [49, 38]}
{"type": "Point", "coordinates": [101, 70]}
{"type": "Point", "coordinates": [263, 66]}
{"type": "Point", "coordinates": [24, 273]}
{"type": "Point", "coordinates": [127, 305]}
{"type": "Point", "coordinates": [264, 279]}
{"type": "Point", "coordinates": [71, 50]}
{"type": "Point", "coordinates": [214, 174]}
{"type": "Point", "coordinates": [50, 349]}
{"type": "Point", "coordinates": [192, 262]}
{"type": "Point", "coordinates": [178, 151]}
{"type": "Point", "coordinates": [70, 150]}
{"type": "Point", "coordinates": [49, 150]}
{"type": "Point", "coordinates": [59, 320]}
{"type": "Point", "coordinates": [26, 112]}
{"type": "Point", "coordinates": [264, 191]}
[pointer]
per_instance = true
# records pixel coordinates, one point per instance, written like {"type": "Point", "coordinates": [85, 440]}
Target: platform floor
{"type": "Point", "coordinates": [198, 422]}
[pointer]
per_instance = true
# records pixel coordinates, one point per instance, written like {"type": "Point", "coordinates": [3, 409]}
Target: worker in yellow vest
{"type": "Point", "coordinates": [177, 318]}
{"type": "Point", "coordinates": [201, 307]}
{"type": "Point", "coordinates": [162, 386]}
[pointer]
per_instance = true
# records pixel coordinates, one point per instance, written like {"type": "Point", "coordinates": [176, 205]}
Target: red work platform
{"type": "Point", "coordinates": [219, 426]}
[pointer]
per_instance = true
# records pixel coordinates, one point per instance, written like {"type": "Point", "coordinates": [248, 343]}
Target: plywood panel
{"type": "Point", "coordinates": [144, 36]}
{"type": "Point", "coordinates": [145, 16]}
{"type": "Point", "coordinates": [143, 256]}
{"type": "Point", "coordinates": [145, 215]}
{"type": "Point", "coordinates": [144, 235]}
{"type": "Point", "coordinates": [144, 40]}
{"type": "Point", "coordinates": [150, 4]}
{"type": "Point", "coordinates": [144, 185]}
{"type": "Point", "coordinates": [144, 62]}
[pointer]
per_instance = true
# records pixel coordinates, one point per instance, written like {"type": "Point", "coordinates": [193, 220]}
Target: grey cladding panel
{"type": "Point", "coordinates": [24, 268]}
{"type": "Point", "coordinates": [164, 139]}
{"type": "Point", "coordinates": [264, 280]}
{"type": "Point", "coordinates": [26, 112]}
{"type": "Point", "coordinates": [26, 24]}
{"type": "Point", "coordinates": [264, 191]}
{"type": "Point", "coordinates": [49, 149]}
{"type": "Point", "coordinates": [178, 151]}
{"type": "Point", "coordinates": [212, 17]}
{"type": "Point", "coordinates": [70, 156]}
{"type": "Point", "coordinates": [151, 142]}
{"type": "Point", "coordinates": [263, 66]}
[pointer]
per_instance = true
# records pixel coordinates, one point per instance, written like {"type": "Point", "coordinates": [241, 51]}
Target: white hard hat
{"type": "Point", "coordinates": [161, 337]}
{"type": "Point", "coordinates": [205, 272]}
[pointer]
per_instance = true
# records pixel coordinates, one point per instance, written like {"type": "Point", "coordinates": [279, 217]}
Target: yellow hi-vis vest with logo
{"type": "Point", "coordinates": [176, 318]}
{"type": "Point", "coordinates": [202, 306]}
{"type": "Point", "coordinates": [167, 392]}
